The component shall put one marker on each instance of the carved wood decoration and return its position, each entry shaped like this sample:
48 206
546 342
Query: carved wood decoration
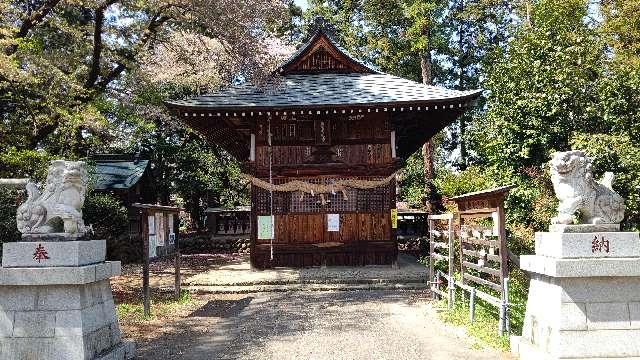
323 56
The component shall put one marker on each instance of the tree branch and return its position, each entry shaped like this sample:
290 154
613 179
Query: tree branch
32 19
94 71
152 28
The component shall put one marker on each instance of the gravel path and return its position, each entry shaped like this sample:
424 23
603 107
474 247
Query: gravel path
315 325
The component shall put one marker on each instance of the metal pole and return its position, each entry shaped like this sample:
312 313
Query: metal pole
145 264
472 305
437 296
431 274
450 282
501 320
506 306
178 258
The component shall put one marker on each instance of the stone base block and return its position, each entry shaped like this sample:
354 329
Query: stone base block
582 267
584 228
53 237
59 316
51 254
59 275
581 318
584 246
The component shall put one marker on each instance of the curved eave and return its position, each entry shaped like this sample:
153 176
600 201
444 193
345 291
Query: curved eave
409 105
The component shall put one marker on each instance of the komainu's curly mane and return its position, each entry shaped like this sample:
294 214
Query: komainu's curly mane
577 191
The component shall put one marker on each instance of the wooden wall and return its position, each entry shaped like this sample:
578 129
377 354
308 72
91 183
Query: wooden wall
312 228
339 147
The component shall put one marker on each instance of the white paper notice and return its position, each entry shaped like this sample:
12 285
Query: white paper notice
333 222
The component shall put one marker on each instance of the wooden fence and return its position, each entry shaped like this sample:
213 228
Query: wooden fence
483 253
436 249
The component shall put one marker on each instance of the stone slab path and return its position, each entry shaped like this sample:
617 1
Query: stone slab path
350 325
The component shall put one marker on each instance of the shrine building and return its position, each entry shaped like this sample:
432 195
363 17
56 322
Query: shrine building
321 143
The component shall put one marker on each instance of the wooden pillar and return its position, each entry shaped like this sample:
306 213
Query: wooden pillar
254 230
252 150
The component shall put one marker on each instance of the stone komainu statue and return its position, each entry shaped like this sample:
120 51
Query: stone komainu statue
576 189
59 207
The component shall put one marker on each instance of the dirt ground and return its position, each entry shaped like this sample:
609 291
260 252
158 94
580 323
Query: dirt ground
290 325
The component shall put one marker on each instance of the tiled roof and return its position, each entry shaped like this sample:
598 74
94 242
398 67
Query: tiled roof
315 90
118 174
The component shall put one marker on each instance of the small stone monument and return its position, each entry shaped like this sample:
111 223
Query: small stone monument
584 295
55 295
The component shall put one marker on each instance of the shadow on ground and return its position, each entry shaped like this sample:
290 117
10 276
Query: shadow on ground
319 325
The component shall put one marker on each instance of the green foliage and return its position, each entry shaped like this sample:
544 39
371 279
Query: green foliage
9 200
24 163
110 222
485 326
450 183
412 183
542 89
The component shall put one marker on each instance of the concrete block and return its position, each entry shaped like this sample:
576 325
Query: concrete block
598 344
6 324
573 316
18 298
129 349
576 245
90 294
27 348
60 297
103 271
600 289
608 316
116 268
69 323
68 347
117 353
93 318
105 290
634 314
39 324
97 342
594 267
49 275
109 309
62 253
116 334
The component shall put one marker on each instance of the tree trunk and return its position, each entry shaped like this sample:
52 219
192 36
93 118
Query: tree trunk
461 84
427 148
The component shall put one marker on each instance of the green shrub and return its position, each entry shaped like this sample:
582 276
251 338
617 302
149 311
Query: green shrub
9 199
110 222
449 183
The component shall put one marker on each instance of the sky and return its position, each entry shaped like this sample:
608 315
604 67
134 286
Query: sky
302 3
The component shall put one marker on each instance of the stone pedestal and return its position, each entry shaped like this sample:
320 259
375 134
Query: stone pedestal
56 303
584 297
